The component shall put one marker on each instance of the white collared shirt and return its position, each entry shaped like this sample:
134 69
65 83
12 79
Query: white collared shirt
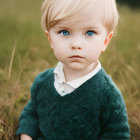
63 87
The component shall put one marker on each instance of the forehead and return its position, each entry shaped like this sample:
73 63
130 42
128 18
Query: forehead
87 16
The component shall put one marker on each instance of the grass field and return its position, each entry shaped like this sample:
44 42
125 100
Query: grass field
24 52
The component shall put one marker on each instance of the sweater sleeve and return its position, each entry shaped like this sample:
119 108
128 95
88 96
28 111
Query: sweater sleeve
28 121
114 117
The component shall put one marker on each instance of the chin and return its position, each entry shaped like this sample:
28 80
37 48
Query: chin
78 67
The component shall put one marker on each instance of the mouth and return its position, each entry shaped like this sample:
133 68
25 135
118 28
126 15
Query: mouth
76 56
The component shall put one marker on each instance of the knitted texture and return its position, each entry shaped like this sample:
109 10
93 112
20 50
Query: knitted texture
94 111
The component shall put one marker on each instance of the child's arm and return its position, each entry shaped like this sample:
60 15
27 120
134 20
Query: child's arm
114 119
28 122
25 137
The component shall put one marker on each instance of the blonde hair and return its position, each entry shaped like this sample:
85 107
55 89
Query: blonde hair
54 11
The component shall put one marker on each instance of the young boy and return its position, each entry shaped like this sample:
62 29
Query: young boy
77 100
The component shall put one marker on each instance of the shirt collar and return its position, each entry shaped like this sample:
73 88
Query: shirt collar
58 71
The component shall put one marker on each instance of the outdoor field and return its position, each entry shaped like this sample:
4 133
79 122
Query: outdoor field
25 52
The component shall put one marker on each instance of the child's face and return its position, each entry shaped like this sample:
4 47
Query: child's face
78 41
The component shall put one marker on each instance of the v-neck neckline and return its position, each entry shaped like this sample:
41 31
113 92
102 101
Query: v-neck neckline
76 92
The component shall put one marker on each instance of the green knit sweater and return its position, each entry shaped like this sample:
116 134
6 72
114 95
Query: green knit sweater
94 111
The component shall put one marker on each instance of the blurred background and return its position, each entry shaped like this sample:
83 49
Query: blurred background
25 52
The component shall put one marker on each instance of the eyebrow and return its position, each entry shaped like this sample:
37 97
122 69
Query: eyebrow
91 27
62 27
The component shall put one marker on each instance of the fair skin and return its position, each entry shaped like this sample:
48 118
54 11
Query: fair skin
78 44
25 137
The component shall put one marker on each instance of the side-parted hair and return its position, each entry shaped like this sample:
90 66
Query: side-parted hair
54 11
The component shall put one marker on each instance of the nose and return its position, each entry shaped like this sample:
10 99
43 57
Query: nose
76 44
76 47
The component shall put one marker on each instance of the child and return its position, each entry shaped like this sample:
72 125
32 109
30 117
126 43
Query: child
77 100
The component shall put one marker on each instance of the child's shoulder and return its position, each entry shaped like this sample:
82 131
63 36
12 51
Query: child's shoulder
107 83
110 92
43 76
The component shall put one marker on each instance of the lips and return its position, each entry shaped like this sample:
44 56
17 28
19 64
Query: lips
76 56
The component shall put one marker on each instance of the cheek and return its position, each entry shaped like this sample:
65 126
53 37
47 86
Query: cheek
94 51
59 51
58 54
58 44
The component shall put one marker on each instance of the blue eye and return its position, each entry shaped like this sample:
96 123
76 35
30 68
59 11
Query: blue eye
90 33
64 32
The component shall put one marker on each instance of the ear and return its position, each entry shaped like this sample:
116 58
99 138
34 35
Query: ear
107 41
48 36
